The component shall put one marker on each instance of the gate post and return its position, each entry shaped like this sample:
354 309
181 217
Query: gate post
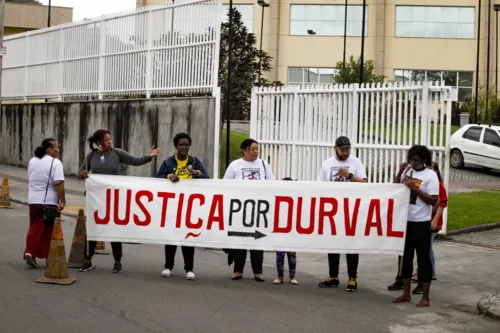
425 113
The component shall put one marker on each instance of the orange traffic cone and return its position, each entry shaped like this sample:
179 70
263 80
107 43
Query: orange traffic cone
56 271
100 248
77 255
5 193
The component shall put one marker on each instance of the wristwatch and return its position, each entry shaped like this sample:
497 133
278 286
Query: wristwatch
350 176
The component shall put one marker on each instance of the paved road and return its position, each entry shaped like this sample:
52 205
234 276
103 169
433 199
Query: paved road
139 300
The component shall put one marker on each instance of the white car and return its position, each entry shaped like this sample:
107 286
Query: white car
477 145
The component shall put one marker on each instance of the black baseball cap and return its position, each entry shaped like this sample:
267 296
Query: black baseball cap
343 142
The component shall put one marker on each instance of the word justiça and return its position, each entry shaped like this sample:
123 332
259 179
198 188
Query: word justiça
286 215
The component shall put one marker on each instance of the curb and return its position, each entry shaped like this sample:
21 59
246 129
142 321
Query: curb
485 306
23 202
482 227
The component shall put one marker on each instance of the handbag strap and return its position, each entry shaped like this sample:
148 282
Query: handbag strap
265 171
48 180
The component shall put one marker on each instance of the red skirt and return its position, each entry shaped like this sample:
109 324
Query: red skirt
39 235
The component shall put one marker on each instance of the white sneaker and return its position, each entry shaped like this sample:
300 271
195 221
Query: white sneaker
166 273
190 276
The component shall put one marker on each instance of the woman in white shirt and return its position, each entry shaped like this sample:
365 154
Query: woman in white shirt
249 167
46 188
424 186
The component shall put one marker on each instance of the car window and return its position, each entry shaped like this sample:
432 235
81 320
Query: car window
473 133
491 138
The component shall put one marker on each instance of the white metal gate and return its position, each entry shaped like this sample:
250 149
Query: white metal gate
297 126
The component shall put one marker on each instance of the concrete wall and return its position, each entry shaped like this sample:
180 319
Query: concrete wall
135 125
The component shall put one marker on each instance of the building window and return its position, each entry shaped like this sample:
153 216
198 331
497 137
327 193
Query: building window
246 12
326 20
435 22
300 75
462 81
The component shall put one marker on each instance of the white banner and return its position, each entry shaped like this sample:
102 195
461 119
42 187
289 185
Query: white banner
300 216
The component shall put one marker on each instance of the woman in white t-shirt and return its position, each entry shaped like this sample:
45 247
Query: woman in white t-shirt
424 186
46 187
249 167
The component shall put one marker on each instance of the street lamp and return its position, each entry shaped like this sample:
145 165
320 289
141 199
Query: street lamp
48 17
361 72
263 4
496 8
362 69
477 59
345 32
229 78
488 59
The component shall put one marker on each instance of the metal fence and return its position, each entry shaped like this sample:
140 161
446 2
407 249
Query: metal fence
297 126
171 48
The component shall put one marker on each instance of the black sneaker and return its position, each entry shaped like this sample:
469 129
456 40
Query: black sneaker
87 266
397 285
117 268
329 283
352 285
419 289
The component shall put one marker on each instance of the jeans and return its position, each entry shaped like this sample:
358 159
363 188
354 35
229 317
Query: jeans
352 264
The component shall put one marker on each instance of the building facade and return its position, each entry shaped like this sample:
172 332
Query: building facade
407 39
20 18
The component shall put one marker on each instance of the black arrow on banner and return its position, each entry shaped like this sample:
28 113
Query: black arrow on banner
256 234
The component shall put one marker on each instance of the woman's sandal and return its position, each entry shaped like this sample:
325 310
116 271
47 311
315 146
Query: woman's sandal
236 277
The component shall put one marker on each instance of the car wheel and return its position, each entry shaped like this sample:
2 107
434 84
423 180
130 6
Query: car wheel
457 159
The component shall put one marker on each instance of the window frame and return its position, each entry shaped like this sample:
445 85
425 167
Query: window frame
457 86
311 71
442 22
225 8
479 140
495 133
334 21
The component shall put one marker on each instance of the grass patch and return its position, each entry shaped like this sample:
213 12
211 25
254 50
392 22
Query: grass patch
234 149
473 208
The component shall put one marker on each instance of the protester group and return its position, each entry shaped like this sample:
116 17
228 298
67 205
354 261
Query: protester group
419 173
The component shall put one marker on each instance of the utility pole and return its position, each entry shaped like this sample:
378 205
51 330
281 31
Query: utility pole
2 6
48 16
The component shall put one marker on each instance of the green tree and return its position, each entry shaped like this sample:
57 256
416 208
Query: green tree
485 115
246 69
31 2
352 70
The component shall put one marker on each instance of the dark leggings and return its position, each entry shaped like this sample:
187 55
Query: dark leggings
418 238
116 247
352 264
187 253
256 258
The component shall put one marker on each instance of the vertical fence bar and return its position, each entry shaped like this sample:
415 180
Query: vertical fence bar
149 44
101 51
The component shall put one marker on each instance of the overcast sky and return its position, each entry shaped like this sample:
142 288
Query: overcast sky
92 8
